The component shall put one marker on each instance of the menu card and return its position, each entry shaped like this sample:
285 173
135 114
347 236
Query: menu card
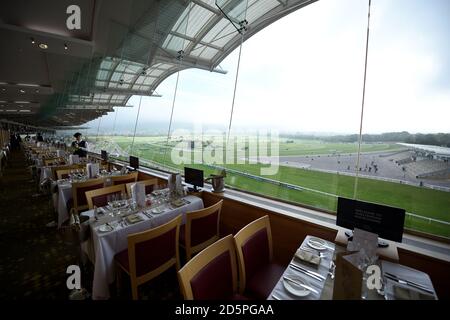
138 194
92 169
74 159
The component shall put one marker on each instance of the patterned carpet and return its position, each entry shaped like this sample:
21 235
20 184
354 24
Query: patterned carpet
34 258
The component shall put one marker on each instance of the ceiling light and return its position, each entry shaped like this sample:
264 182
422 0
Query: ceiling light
3 89
65 47
43 46
32 40
37 90
11 110
25 110
21 101
22 91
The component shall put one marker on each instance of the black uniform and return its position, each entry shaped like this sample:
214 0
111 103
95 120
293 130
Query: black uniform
80 152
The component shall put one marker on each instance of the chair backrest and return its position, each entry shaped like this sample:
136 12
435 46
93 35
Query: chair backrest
132 177
55 170
99 197
254 248
202 228
152 252
64 171
211 274
53 161
79 190
149 185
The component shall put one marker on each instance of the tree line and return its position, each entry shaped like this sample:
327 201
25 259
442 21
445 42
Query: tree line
436 139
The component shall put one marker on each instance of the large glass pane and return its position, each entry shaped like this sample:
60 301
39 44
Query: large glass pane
407 107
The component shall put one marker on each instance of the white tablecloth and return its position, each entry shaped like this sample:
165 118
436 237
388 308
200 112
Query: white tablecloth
46 173
106 245
64 195
279 291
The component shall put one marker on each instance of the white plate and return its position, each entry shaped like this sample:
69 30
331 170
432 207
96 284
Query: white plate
294 288
317 244
105 228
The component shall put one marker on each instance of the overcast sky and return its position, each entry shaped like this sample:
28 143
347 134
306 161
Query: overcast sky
304 73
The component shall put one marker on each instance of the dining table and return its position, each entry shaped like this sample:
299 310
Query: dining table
64 194
109 231
307 281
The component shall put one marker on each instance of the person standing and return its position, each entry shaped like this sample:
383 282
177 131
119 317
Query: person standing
79 145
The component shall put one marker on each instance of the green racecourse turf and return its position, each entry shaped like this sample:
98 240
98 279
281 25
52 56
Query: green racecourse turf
421 201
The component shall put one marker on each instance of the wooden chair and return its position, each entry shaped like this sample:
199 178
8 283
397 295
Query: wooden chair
201 229
60 167
79 190
64 173
99 197
51 162
149 185
149 254
212 274
129 178
257 273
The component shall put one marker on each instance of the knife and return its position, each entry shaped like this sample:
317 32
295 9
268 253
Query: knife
293 266
407 282
301 284
312 272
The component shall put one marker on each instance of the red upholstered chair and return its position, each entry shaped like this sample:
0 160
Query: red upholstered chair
258 274
211 274
201 229
99 197
150 253
79 190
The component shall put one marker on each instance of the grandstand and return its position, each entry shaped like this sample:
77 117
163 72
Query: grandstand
402 157
427 161
429 168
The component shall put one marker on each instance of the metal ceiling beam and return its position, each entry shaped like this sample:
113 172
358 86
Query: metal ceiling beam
180 35
91 107
126 92
188 62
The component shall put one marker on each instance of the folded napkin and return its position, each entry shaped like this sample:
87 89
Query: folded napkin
308 256
402 293
178 203
133 218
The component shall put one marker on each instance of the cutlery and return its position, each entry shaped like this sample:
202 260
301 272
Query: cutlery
312 272
411 284
305 272
301 285
148 214
276 297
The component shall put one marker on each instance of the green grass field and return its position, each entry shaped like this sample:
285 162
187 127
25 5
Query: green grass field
420 201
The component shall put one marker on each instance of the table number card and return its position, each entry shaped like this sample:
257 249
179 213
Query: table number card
348 277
